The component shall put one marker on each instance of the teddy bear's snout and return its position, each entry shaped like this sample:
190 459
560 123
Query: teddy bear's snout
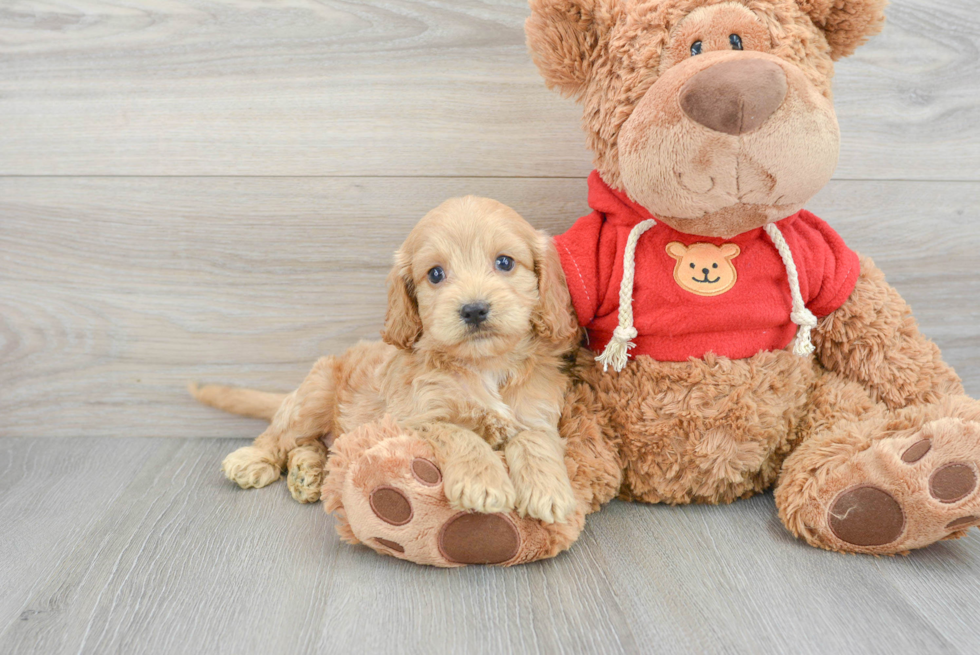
735 97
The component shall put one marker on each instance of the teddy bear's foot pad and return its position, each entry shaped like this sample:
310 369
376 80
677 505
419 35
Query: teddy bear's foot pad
391 505
866 516
388 493
391 545
953 482
932 495
394 501
471 538
466 538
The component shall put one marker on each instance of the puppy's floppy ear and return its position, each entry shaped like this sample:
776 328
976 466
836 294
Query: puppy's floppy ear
553 318
565 36
847 24
403 327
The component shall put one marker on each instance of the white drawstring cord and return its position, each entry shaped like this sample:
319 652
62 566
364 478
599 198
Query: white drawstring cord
802 316
617 350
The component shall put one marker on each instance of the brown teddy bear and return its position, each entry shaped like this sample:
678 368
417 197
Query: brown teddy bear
741 344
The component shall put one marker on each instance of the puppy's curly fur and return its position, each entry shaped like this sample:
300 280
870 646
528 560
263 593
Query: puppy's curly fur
468 386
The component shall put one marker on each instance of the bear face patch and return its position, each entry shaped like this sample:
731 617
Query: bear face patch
704 268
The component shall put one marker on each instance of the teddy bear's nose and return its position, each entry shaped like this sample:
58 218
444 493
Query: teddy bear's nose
735 97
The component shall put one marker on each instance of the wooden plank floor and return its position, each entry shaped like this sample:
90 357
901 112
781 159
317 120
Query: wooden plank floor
140 546
195 189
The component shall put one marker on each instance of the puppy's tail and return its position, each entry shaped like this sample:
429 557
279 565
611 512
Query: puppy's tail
245 402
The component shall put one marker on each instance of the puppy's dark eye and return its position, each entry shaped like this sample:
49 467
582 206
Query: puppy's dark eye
692 264
736 41
504 263
436 275
696 48
714 266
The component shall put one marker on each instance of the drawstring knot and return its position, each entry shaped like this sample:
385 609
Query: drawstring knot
801 316
617 350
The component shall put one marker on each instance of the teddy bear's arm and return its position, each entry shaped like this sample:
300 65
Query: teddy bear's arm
874 339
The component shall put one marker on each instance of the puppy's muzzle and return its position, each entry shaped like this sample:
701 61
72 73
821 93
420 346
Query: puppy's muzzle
474 313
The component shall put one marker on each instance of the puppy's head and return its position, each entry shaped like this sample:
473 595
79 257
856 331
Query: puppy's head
473 280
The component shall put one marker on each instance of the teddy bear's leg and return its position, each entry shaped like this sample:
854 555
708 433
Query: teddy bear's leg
905 475
386 490
886 483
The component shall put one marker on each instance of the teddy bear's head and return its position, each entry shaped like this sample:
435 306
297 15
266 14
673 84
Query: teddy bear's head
715 115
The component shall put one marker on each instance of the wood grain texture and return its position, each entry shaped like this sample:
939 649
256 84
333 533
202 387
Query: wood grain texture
158 553
399 87
114 292
47 508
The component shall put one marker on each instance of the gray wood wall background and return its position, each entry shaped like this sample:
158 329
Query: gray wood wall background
212 190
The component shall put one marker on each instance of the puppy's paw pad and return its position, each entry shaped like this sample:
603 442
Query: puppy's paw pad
391 505
471 538
953 482
866 516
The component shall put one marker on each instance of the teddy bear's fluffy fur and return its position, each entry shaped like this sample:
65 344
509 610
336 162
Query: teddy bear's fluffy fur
715 429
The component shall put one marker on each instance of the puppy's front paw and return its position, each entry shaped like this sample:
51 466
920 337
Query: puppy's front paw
251 467
480 485
305 474
549 499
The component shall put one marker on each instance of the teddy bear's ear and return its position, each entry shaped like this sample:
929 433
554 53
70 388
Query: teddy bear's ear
564 37
846 23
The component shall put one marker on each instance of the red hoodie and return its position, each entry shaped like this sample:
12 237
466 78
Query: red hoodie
691 294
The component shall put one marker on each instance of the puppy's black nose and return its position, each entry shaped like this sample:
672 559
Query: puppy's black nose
705 271
474 313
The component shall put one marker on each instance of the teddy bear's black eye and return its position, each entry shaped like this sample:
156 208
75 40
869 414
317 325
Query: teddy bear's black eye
504 263
696 48
436 275
692 264
714 266
736 41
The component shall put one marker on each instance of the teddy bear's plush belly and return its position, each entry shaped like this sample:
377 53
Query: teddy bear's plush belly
710 430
